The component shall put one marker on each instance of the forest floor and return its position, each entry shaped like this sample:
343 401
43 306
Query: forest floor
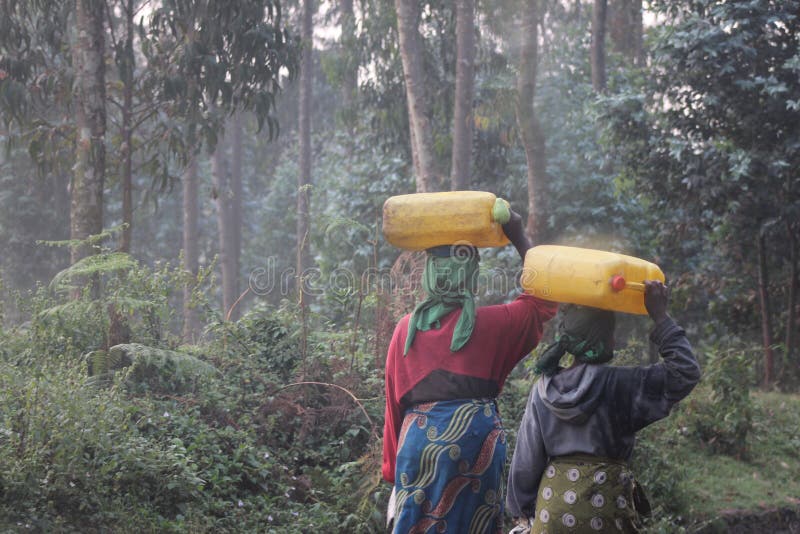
758 492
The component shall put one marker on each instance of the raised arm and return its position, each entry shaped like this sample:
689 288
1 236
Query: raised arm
653 390
516 234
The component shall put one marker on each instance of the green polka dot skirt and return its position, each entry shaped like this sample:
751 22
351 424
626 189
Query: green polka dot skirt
582 493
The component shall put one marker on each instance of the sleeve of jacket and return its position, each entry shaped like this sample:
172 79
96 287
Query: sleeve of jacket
653 390
527 464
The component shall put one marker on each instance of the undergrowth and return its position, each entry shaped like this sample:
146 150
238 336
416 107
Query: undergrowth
108 422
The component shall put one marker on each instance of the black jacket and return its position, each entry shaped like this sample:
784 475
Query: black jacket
597 410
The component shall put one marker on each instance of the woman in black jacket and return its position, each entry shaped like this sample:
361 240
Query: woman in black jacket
569 471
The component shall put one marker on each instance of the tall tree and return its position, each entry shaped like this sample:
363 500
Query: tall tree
126 61
191 264
88 53
530 129
763 298
463 122
421 133
237 220
598 51
791 311
220 177
624 21
347 22
304 134
226 53
226 177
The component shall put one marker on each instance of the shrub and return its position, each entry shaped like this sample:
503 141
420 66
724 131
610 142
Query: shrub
720 412
70 457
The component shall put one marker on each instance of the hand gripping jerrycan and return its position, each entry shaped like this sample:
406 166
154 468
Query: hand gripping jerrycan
424 220
588 277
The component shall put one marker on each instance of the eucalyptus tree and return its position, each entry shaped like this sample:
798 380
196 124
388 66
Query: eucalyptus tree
304 134
348 28
88 56
417 95
625 28
210 59
125 59
463 116
530 128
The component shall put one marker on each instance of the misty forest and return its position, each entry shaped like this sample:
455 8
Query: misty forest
197 297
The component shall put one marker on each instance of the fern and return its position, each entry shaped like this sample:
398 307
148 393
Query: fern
151 360
92 240
77 308
102 362
93 265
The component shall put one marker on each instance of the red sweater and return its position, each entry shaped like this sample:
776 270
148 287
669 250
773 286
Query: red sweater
502 336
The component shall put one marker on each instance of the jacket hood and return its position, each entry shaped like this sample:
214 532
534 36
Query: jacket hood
570 394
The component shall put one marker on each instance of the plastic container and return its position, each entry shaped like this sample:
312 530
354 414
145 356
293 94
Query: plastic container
424 220
588 277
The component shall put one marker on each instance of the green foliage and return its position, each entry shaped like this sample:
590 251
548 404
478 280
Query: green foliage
721 413
211 58
710 485
154 369
91 266
247 432
72 458
709 141
210 438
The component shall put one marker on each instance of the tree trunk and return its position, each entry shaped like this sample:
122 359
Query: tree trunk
625 29
86 202
791 317
191 321
465 83
304 131
416 97
222 196
126 74
237 196
348 41
599 46
530 130
766 321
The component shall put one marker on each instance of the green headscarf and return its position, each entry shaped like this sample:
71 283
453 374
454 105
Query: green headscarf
450 282
586 333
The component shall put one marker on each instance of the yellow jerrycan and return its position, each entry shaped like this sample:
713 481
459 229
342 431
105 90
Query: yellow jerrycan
588 277
424 220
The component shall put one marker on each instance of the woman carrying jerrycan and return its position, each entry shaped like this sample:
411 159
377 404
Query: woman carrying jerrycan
444 445
569 471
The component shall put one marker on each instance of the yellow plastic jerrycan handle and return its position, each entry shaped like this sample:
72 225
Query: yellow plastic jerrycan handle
618 283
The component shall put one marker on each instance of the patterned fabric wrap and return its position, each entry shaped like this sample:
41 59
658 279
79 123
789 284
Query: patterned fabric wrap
581 493
450 460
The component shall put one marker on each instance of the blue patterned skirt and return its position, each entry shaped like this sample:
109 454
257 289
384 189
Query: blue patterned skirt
450 462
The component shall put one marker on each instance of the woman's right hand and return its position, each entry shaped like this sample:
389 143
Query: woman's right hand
656 299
